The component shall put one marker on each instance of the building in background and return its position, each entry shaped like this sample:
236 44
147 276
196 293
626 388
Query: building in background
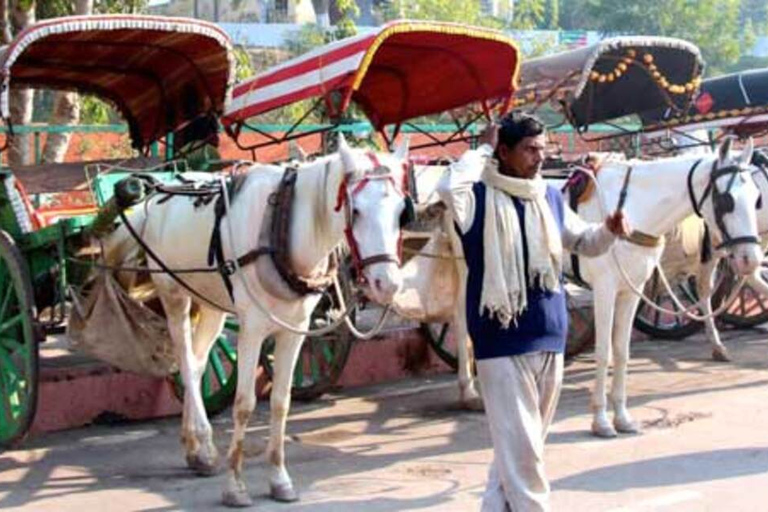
238 11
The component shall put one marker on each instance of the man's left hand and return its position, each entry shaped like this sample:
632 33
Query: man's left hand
617 224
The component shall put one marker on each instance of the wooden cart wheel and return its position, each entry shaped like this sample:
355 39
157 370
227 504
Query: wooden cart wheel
18 347
581 334
322 358
219 381
664 326
750 308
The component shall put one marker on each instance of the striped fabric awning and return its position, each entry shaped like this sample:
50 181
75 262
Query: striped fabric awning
161 73
403 70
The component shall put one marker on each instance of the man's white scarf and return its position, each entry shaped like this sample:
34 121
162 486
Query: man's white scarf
504 284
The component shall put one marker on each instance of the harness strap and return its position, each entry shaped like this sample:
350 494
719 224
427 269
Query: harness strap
149 252
691 193
573 202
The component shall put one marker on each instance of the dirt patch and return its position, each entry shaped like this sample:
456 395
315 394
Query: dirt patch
668 421
428 471
325 437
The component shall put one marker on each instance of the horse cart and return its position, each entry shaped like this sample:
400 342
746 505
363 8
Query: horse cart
398 74
170 79
729 105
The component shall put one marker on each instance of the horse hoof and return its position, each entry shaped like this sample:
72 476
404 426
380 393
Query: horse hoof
473 404
236 499
284 493
626 426
720 355
202 467
603 431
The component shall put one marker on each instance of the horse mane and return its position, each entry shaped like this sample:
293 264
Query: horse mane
318 176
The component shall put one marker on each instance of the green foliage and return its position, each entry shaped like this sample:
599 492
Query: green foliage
243 64
308 37
461 11
118 6
552 20
54 8
95 111
713 25
529 14
345 26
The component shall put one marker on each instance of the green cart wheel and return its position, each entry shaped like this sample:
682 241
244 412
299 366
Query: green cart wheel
18 347
441 340
322 358
219 381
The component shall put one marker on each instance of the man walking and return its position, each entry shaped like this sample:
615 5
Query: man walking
514 228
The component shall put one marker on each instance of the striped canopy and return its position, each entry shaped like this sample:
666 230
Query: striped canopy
161 73
403 70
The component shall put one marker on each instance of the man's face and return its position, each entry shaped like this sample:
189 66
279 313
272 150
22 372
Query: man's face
525 159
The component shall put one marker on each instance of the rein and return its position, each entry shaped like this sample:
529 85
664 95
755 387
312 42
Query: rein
682 311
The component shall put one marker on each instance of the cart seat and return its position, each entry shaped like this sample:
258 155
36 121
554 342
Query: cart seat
62 190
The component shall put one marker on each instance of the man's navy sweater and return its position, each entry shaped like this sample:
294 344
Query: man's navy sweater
543 325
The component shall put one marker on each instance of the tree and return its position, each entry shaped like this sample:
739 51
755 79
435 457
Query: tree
713 25
22 14
464 11
66 109
15 15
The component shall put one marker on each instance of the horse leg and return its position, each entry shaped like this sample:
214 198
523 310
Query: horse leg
626 304
208 327
705 281
287 349
249 341
604 300
469 398
196 433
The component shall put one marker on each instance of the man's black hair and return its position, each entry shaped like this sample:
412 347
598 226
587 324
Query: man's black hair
516 126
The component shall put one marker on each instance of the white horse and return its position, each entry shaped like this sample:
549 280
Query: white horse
356 193
661 194
658 199
705 273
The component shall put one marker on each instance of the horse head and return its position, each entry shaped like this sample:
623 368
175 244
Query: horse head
732 206
377 205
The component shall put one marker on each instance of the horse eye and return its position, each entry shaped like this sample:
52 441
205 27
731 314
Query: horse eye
355 213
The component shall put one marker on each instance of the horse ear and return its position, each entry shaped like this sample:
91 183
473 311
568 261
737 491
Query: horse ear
401 151
724 152
747 152
347 158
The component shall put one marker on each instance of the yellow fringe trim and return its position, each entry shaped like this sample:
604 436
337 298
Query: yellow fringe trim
443 28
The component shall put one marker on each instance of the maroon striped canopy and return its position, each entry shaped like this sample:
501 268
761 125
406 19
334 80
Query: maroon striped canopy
161 73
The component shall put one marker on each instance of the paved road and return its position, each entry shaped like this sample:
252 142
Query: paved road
405 446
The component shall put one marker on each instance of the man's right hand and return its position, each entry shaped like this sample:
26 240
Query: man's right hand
489 136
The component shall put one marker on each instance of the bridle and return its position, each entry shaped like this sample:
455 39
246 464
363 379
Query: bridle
349 188
722 202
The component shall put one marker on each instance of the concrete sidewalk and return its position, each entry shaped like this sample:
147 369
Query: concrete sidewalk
406 446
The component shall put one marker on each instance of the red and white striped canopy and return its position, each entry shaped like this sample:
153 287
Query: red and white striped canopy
403 70
161 73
